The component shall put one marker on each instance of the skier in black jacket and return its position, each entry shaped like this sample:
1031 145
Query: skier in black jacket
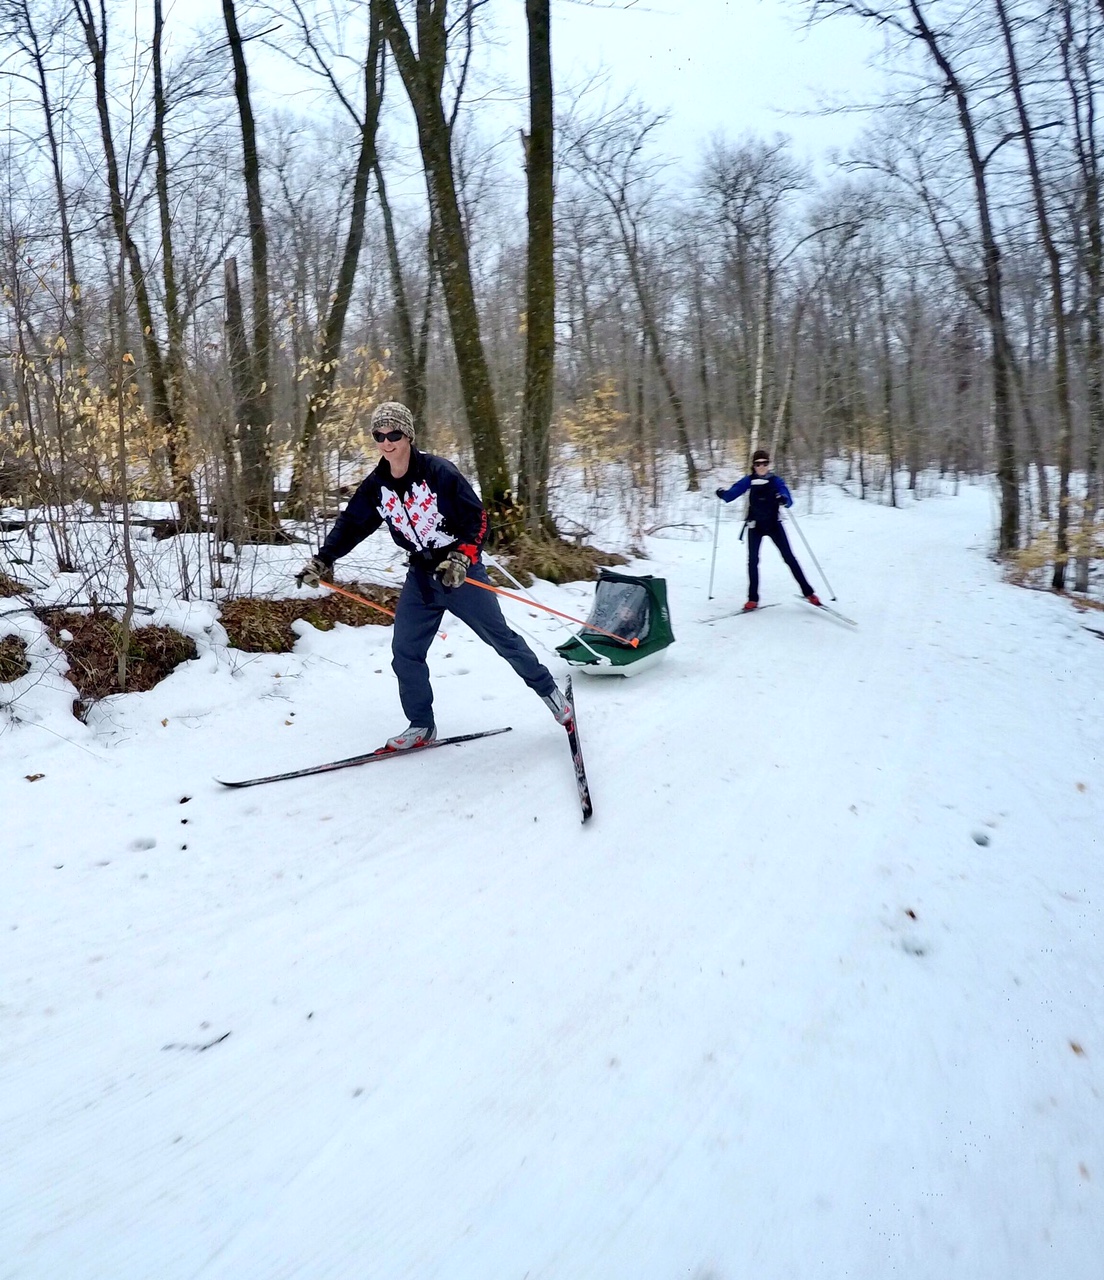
433 513
766 494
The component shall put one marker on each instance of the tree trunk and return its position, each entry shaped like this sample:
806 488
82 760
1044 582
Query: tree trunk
413 351
183 489
37 55
651 332
1076 60
1058 308
161 407
423 77
255 391
1003 427
540 281
887 391
325 370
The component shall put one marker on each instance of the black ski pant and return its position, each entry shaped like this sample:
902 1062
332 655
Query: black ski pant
774 530
422 604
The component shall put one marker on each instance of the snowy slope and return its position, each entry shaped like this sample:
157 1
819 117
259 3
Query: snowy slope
817 992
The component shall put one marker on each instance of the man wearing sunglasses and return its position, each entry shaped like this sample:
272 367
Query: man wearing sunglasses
767 493
434 515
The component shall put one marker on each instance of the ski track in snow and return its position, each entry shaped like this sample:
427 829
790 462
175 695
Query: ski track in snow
774 1012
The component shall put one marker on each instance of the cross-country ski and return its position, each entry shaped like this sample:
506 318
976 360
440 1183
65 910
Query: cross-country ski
832 611
581 782
738 613
369 757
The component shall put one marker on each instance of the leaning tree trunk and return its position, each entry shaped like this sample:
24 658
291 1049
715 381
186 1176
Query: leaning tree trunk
423 77
1003 426
327 359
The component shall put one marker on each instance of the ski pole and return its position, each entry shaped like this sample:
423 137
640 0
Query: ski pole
811 552
713 562
352 595
498 591
600 658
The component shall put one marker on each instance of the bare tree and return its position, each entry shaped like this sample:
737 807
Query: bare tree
910 19
253 367
1080 49
166 416
609 156
1057 298
540 282
423 74
366 120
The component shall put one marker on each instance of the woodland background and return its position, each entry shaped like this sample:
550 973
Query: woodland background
206 291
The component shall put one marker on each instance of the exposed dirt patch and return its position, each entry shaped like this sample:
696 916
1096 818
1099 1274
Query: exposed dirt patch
93 653
257 625
9 587
13 659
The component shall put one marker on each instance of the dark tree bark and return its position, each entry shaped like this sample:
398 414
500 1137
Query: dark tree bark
887 386
1078 69
187 503
702 354
254 386
1057 301
423 75
540 280
1009 535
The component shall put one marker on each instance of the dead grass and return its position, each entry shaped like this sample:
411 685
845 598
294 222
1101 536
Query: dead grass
556 561
257 625
93 653
13 659
9 587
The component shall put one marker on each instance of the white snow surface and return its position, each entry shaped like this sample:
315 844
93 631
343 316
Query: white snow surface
819 991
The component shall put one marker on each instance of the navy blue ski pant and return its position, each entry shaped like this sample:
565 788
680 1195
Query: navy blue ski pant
422 604
778 534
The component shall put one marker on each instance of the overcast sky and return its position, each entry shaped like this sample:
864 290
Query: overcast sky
735 66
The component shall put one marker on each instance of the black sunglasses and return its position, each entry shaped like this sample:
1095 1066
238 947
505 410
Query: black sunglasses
761 462
394 436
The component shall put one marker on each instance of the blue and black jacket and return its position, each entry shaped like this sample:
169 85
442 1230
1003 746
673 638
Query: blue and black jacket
765 495
429 512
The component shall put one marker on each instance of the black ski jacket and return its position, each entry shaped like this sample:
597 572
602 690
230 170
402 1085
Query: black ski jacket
431 510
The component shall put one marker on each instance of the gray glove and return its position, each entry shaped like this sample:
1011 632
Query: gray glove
310 575
453 569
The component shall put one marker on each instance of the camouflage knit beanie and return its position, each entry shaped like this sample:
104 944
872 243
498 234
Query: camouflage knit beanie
393 416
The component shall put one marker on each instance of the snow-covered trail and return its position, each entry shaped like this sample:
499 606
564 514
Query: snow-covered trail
775 1012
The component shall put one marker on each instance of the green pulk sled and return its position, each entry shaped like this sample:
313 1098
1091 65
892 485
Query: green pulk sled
632 607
